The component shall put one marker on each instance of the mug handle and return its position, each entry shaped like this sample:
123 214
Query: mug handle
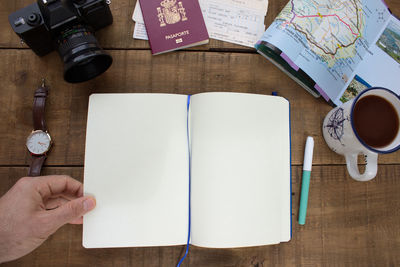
371 168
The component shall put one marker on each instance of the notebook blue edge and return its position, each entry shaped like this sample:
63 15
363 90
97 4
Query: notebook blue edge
290 162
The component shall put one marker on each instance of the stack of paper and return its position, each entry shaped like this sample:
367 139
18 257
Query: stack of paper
238 22
140 29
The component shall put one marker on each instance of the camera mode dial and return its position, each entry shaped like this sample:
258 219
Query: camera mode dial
34 19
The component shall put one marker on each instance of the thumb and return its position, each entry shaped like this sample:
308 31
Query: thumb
71 210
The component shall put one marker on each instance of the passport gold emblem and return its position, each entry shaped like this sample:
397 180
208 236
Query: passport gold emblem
170 12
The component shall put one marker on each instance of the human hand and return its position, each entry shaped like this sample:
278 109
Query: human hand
34 208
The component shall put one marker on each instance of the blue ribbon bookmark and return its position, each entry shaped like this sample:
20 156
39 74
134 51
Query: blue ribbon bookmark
190 164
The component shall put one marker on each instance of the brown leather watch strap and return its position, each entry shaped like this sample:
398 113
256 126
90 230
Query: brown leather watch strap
39 123
39 104
36 165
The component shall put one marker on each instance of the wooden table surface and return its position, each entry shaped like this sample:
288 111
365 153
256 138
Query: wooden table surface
349 223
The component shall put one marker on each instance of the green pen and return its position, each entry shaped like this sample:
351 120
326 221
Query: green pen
305 184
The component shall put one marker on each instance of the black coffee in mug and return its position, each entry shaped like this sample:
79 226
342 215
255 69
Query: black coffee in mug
366 125
375 121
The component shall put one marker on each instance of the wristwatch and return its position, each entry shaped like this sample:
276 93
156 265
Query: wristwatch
39 141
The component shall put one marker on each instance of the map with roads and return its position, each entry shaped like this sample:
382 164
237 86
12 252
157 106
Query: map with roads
328 38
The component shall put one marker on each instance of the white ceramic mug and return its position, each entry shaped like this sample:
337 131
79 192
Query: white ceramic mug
341 136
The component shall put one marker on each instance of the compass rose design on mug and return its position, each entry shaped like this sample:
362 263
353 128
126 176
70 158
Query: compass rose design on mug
335 125
367 125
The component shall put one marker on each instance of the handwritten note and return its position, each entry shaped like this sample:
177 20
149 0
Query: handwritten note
140 31
233 23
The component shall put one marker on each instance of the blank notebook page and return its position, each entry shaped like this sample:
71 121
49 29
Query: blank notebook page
240 170
136 165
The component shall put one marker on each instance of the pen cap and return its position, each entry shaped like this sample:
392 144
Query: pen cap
308 154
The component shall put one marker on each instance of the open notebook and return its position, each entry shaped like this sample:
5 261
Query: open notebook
137 167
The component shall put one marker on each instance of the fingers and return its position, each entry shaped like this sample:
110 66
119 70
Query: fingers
77 221
53 203
48 186
71 211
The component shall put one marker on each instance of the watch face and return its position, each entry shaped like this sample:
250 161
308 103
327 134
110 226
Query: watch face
38 142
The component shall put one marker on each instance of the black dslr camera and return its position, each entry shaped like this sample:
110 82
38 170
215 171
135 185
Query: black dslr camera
68 26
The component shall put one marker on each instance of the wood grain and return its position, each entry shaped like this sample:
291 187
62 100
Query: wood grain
119 35
116 36
138 71
348 224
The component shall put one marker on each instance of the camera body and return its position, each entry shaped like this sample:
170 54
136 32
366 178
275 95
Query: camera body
68 26
39 25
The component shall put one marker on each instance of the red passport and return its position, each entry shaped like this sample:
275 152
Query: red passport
173 24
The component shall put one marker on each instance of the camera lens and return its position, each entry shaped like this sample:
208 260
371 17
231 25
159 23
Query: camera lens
83 58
